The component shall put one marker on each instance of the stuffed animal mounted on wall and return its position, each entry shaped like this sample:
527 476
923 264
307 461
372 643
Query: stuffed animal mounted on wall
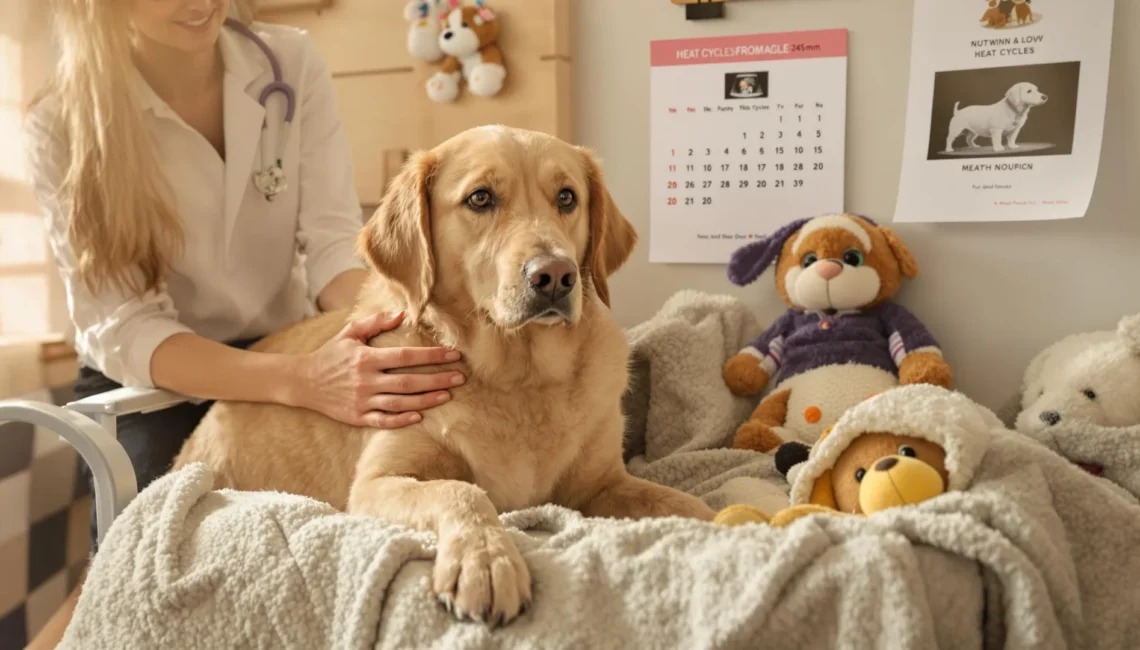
469 39
842 339
423 29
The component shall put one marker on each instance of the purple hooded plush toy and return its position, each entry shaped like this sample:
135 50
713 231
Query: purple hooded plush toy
842 339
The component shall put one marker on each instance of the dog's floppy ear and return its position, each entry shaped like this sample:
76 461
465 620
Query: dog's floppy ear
612 236
907 264
396 241
1013 96
752 259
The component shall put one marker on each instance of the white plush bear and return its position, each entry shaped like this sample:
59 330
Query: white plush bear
423 30
1081 397
1092 377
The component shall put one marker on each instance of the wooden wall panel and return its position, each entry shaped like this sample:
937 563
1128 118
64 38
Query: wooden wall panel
378 118
381 88
355 35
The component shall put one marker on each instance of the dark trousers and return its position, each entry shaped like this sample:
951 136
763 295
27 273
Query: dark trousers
152 440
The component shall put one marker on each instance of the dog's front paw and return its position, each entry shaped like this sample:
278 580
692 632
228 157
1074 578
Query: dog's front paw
1014 146
480 575
998 148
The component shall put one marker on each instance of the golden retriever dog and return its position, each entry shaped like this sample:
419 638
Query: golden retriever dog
496 243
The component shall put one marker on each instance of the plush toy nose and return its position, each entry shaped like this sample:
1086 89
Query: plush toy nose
1050 417
447 36
886 463
828 269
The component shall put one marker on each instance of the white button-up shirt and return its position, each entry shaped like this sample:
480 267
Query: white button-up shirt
240 275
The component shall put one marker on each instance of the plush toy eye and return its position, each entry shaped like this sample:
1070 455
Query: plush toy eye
566 199
852 257
480 200
1090 393
908 451
808 260
859 474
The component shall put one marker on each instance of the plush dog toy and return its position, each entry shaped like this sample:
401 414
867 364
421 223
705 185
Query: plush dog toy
469 39
901 447
1080 397
423 30
842 339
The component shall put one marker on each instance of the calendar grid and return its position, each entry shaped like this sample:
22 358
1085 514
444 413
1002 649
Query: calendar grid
739 148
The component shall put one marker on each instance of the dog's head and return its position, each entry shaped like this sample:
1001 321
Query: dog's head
1024 95
466 30
834 261
509 226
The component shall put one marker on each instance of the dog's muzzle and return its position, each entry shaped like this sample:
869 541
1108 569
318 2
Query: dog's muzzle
550 282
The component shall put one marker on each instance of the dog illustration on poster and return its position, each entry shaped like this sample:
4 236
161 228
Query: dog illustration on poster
1007 111
1005 117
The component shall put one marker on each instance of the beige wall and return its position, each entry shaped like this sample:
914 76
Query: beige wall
993 294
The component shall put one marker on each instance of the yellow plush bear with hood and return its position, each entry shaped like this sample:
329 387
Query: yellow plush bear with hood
901 447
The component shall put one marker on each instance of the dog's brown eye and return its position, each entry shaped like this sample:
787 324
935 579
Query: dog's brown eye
859 474
480 200
1090 393
566 199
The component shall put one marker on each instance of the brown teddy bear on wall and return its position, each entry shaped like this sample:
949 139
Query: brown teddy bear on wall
469 40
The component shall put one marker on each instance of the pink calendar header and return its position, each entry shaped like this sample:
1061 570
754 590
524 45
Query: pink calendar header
812 44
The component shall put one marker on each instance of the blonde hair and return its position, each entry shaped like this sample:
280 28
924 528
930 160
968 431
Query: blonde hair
121 224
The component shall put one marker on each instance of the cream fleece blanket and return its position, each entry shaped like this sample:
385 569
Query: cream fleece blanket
1032 552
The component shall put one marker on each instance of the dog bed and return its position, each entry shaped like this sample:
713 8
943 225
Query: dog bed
1033 553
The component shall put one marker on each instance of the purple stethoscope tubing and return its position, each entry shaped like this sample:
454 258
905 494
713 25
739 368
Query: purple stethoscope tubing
277 85
271 179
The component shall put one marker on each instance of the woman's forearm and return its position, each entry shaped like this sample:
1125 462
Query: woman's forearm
199 367
341 292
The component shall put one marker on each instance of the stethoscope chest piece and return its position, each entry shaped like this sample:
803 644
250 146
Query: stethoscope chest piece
270 181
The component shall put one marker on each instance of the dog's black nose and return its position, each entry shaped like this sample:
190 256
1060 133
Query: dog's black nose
886 463
1050 417
554 277
447 36
1044 96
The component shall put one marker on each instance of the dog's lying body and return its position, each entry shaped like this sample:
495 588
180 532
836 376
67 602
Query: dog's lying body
538 419
1002 118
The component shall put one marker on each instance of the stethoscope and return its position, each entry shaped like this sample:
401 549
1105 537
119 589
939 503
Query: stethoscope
270 180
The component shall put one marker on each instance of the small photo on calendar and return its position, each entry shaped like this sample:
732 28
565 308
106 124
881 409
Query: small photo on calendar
1021 110
745 85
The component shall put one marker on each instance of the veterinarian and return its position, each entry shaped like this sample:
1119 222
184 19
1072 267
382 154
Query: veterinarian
177 197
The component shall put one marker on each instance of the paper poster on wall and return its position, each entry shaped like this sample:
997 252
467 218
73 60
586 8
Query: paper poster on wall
746 133
1006 109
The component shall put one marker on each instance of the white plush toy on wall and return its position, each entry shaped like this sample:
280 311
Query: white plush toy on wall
423 30
469 40
1081 397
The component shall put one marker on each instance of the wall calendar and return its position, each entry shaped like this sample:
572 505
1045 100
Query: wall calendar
746 133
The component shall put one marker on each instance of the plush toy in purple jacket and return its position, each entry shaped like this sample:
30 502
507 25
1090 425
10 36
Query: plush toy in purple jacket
842 340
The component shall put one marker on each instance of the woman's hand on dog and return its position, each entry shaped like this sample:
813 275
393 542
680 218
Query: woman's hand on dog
347 380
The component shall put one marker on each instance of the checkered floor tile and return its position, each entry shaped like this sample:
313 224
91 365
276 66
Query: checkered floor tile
44 525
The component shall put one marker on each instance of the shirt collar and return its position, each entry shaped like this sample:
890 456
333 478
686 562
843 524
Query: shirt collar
239 59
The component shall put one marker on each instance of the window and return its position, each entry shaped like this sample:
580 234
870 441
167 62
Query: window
32 303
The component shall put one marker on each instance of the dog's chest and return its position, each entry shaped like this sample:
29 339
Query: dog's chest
517 447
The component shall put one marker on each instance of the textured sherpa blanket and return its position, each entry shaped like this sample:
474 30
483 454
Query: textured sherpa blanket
1032 552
